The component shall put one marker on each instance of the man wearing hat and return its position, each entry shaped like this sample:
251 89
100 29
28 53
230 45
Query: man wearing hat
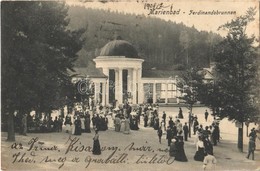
251 148
164 117
252 134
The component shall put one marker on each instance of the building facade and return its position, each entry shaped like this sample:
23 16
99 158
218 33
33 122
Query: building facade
117 76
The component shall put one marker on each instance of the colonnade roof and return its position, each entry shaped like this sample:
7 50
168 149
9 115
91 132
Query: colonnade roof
155 73
89 71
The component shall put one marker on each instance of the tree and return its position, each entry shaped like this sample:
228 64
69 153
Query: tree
80 93
192 88
236 73
37 52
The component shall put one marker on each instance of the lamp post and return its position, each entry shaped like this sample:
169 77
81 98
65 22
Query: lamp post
190 113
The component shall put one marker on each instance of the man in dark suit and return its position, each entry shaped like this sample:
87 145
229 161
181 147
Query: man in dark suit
186 131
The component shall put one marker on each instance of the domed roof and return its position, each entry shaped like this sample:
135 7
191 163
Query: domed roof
119 48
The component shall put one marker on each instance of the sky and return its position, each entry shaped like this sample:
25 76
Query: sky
200 22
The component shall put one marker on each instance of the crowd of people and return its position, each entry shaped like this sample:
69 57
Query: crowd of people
126 118
122 119
177 133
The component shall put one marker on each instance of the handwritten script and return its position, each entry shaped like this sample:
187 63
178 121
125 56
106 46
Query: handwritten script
76 152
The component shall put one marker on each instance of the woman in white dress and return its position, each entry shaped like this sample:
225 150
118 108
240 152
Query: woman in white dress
122 127
209 162
199 155
83 128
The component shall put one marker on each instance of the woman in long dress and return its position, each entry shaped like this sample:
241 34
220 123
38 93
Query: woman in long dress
122 126
180 153
180 115
117 123
68 123
173 148
156 123
127 126
87 124
200 154
96 145
77 124
82 119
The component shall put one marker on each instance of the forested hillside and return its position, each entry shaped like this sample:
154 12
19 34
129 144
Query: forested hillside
163 44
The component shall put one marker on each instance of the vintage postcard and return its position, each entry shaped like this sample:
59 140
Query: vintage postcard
130 85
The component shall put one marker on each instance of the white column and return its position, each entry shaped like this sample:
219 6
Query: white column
120 84
116 84
140 87
141 93
134 85
106 72
97 91
129 80
103 93
166 93
154 92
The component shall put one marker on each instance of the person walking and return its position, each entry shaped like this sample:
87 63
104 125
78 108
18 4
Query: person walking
180 153
186 131
171 123
173 147
206 115
127 126
209 162
83 126
164 117
96 145
199 155
253 134
156 123
208 146
24 124
215 135
68 123
78 128
87 124
60 122
122 124
251 148
117 123
180 115
159 133
163 127
195 124
55 124
169 135
145 120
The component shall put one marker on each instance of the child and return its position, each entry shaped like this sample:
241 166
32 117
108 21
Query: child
209 162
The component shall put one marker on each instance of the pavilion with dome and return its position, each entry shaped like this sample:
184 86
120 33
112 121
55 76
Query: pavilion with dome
118 76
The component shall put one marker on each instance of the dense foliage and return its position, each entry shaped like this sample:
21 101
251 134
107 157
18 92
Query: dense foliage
163 44
236 84
236 70
37 52
192 87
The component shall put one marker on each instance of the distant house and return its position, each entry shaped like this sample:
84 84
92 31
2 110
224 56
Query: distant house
208 73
